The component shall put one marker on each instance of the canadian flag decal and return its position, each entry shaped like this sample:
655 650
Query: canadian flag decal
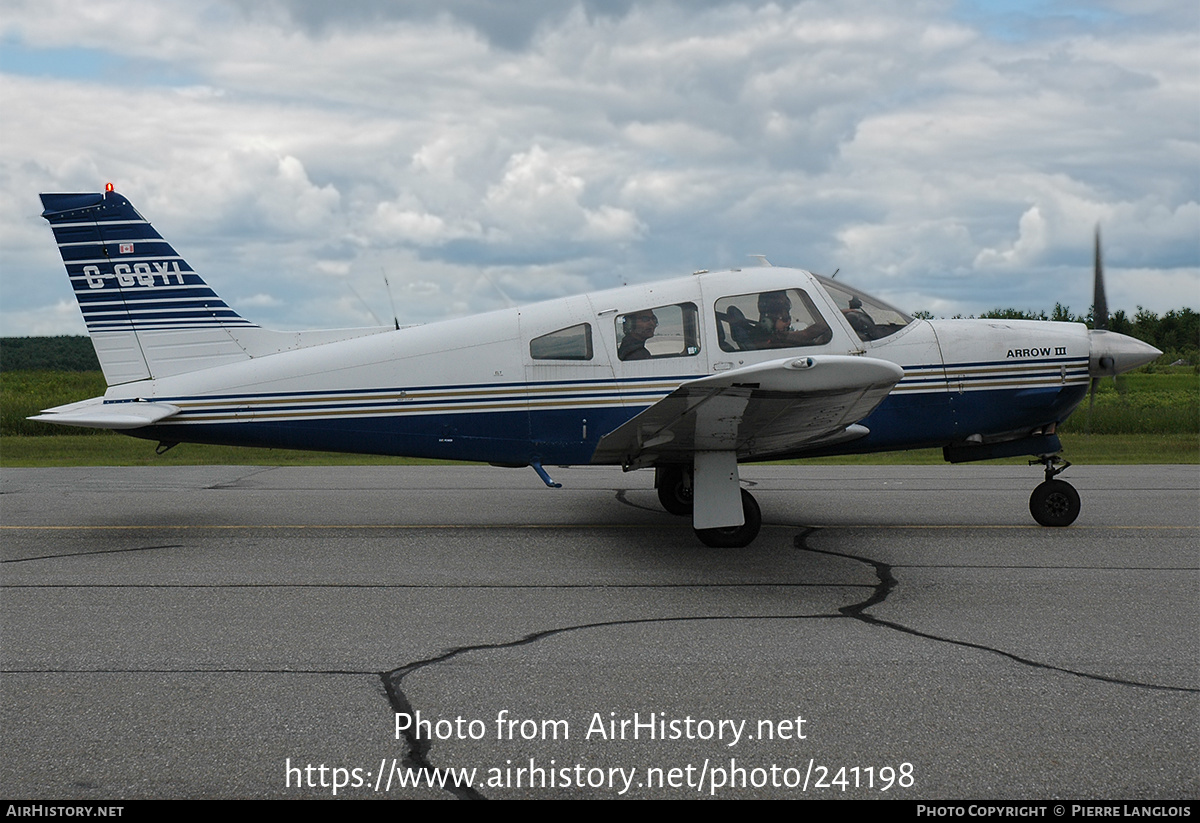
126 248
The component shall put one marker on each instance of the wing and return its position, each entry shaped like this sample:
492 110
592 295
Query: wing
97 414
759 410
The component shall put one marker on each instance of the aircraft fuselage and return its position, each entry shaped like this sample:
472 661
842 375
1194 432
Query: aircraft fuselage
470 389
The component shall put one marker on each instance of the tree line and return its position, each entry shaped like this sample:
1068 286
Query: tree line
68 353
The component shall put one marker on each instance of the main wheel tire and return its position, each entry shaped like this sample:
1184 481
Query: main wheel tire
735 537
1054 503
674 494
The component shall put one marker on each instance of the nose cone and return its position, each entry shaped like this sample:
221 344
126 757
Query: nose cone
1114 353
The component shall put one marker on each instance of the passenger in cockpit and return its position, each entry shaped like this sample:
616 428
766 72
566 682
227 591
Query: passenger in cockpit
638 327
859 320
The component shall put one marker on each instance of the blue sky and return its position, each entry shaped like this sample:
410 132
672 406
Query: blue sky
950 156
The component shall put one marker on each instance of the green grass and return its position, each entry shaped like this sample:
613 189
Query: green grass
24 393
1141 403
1084 449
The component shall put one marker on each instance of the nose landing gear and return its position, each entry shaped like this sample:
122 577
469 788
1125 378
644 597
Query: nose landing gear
1054 502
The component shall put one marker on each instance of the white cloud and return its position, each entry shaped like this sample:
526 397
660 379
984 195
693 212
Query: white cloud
287 150
1024 251
62 317
258 301
539 199
394 224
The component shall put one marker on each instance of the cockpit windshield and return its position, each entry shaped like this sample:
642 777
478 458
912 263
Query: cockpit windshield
870 317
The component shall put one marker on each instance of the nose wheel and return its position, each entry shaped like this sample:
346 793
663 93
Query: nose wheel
1054 502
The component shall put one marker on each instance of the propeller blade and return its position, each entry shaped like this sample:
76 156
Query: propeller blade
1111 353
1099 301
1087 423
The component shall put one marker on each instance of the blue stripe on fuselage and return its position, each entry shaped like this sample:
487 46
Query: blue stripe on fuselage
557 436
562 436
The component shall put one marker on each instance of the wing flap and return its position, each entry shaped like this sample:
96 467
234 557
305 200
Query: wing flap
762 409
97 414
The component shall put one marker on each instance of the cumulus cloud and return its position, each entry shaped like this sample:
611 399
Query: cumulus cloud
393 223
539 198
945 154
1030 243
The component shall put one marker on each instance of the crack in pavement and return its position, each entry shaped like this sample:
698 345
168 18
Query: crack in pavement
236 483
88 554
418 747
887 582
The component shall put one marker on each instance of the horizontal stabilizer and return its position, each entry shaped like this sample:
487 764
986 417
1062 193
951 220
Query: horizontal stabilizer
756 411
97 414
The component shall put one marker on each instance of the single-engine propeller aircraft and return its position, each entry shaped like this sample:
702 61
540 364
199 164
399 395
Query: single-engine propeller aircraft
690 376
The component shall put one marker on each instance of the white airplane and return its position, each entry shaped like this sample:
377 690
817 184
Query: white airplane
690 376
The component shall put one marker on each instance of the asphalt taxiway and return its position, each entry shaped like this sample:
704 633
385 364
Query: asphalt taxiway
254 631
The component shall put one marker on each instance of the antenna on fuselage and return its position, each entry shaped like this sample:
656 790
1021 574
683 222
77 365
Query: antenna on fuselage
366 305
835 271
508 301
762 260
388 286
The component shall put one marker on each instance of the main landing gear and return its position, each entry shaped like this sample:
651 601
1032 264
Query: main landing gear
735 537
1054 502
674 485
676 494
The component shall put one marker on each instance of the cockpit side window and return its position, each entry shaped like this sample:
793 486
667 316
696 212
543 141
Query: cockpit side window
663 331
572 343
870 317
781 319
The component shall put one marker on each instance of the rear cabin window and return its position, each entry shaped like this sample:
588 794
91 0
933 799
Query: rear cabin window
770 320
571 343
662 331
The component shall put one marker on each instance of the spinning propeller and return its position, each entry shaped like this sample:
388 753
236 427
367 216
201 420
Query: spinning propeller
1111 353
1099 321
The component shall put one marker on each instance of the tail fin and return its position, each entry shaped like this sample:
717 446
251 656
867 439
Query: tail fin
148 312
